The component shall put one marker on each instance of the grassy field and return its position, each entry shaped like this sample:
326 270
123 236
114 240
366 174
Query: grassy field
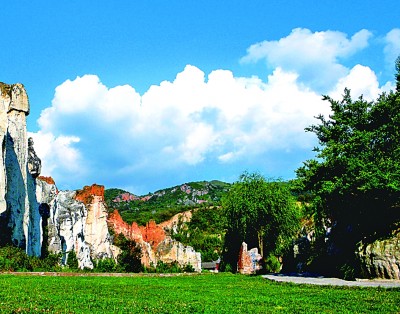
209 293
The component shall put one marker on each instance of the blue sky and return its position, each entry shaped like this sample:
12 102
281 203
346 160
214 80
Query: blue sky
144 95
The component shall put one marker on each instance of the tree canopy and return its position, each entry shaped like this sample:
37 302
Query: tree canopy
356 176
261 213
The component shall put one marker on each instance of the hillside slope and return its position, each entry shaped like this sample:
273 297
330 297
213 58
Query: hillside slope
164 204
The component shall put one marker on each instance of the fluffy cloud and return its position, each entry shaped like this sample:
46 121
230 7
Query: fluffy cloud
315 56
392 46
95 129
361 80
205 126
58 155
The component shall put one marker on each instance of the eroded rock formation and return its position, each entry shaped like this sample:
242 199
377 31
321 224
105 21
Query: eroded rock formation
19 216
96 228
155 242
381 259
34 162
249 260
76 221
37 217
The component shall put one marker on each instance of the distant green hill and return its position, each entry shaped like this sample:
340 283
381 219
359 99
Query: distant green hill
163 204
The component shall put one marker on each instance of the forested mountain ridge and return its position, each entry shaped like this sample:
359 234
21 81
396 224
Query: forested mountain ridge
163 204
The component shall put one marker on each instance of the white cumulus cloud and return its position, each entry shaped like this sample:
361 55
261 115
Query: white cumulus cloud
361 80
392 46
315 56
201 124
181 123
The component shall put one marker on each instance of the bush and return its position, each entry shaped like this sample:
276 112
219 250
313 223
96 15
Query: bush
106 265
188 268
169 268
72 260
272 264
15 259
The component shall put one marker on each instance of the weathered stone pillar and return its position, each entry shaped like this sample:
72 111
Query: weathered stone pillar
18 206
4 104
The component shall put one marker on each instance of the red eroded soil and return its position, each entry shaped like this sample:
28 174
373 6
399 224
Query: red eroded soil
48 180
86 194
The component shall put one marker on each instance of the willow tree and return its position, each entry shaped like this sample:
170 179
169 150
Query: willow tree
261 213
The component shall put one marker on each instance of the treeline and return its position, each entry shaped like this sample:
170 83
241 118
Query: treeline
350 192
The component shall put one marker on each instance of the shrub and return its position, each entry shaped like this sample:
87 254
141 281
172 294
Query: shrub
72 260
14 259
106 265
272 264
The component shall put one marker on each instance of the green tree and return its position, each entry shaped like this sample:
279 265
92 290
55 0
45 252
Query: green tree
129 260
261 213
204 232
356 176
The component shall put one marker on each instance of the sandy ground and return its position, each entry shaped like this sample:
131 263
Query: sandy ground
322 281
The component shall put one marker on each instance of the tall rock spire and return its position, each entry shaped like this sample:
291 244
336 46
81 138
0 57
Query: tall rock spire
18 206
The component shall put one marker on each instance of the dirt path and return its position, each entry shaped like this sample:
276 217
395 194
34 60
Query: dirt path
322 281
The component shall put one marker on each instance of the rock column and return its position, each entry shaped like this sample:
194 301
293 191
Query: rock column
19 217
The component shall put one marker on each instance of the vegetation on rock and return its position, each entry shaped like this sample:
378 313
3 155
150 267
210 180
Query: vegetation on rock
164 204
204 232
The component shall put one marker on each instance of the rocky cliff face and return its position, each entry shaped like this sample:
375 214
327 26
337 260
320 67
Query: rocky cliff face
34 215
19 217
381 259
96 228
76 221
156 245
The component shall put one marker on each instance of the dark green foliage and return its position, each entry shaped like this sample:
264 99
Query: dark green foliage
5 238
261 213
355 179
164 204
106 265
72 260
129 260
15 259
272 264
110 194
398 74
205 232
208 219
188 268
169 268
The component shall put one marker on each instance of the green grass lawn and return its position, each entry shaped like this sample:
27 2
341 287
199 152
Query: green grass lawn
208 293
